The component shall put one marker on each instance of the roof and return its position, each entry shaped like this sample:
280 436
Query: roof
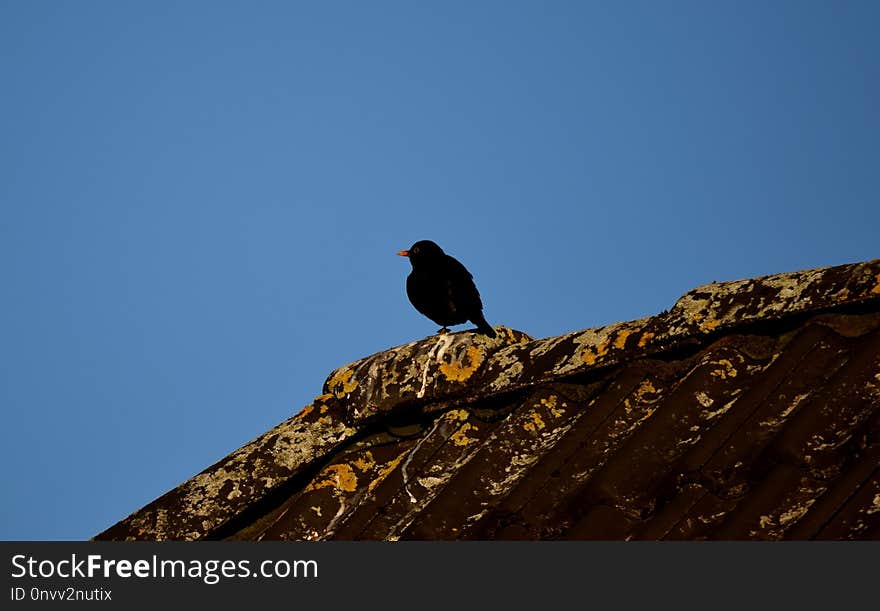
750 410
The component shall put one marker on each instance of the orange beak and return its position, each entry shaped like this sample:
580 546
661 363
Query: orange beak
404 253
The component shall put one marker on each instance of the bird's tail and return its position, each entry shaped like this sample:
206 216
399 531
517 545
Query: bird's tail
482 326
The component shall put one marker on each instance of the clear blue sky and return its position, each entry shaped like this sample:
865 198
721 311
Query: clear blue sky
202 201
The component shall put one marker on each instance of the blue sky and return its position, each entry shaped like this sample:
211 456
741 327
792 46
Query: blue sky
202 201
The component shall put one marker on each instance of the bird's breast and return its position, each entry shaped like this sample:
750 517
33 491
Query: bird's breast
433 296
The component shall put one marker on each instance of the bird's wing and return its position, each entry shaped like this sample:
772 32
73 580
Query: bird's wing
460 282
455 269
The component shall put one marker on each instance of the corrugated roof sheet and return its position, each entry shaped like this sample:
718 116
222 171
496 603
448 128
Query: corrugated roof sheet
750 410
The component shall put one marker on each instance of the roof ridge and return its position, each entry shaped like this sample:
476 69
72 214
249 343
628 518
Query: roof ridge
451 367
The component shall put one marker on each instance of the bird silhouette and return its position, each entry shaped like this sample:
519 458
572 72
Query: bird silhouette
443 289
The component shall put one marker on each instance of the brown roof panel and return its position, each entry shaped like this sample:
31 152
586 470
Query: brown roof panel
750 410
841 490
859 518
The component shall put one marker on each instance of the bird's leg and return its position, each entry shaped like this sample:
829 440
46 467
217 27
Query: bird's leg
444 330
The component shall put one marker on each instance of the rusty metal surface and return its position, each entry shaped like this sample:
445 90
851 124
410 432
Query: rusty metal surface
750 410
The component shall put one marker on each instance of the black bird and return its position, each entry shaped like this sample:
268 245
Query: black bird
442 289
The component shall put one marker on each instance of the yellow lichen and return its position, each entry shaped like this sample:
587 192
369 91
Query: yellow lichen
458 371
727 369
456 414
460 437
550 404
385 471
709 324
341 383
704 399
305 411
340 477
365 462
645 338
646 387
591 355
512 337
620 340
876 289
535 425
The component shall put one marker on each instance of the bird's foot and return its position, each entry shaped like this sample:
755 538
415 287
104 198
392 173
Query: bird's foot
443 331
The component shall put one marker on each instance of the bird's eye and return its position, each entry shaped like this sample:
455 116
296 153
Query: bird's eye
415 251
